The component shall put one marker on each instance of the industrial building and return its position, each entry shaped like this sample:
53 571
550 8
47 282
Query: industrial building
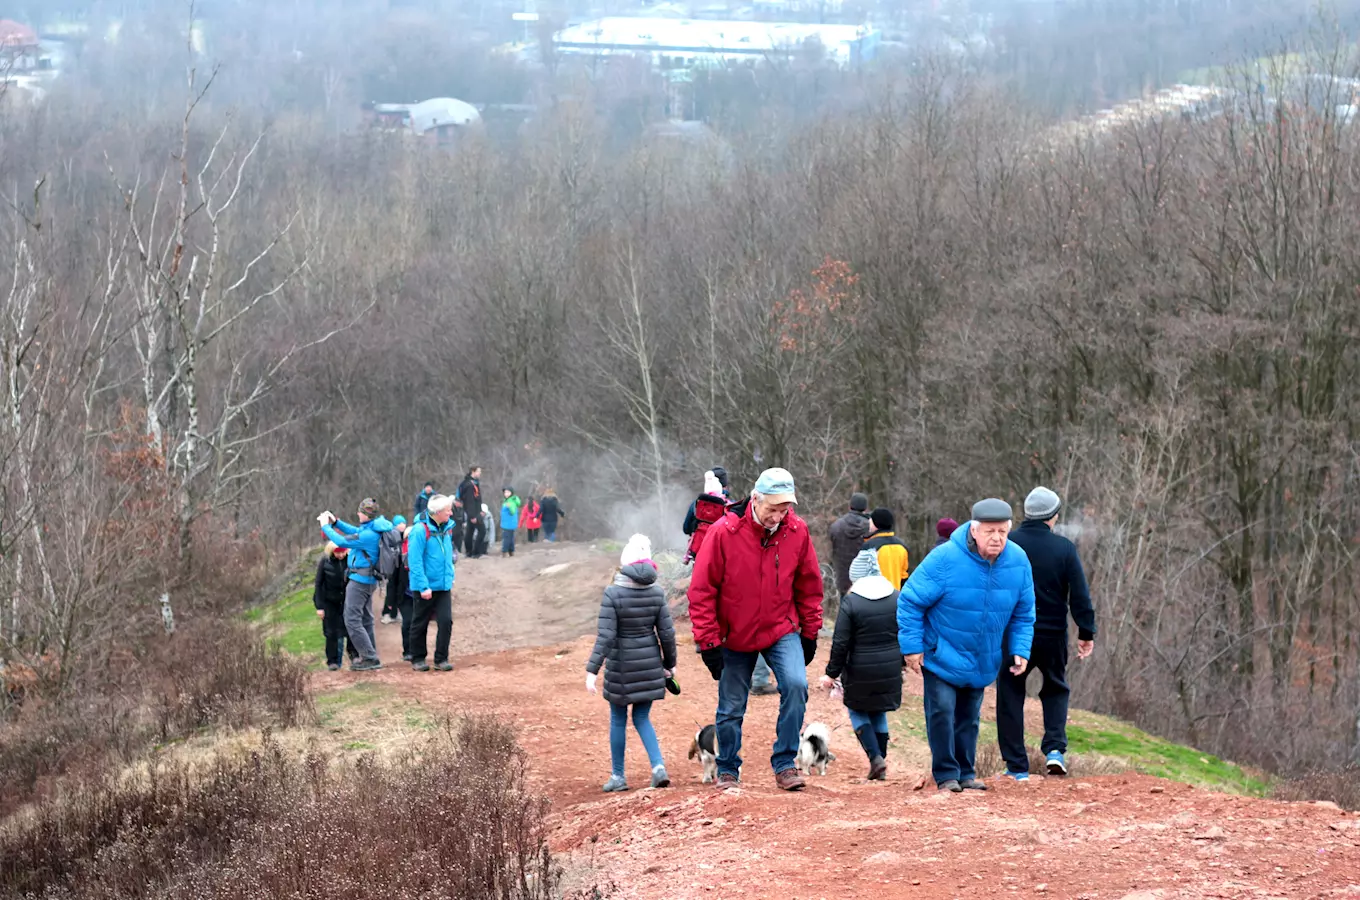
684 43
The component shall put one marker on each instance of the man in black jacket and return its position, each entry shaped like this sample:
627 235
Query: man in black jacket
847 539
1059 587
470 495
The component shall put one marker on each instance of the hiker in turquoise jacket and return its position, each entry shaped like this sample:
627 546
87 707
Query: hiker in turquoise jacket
509 520
967 600
430 554
362 541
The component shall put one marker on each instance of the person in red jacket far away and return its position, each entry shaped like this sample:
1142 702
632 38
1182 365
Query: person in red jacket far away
757 591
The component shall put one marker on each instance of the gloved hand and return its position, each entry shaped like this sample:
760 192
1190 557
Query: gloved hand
809 650
713 658
590 681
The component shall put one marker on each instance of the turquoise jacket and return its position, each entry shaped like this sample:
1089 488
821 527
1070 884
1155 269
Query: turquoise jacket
362 543
429 553
962 611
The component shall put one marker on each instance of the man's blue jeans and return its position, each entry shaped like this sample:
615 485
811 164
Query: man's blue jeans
786 660
951 727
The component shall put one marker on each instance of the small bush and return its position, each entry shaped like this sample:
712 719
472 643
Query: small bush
453 818
1341 787
218 675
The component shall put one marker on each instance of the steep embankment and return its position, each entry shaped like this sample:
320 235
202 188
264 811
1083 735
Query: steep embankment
519 651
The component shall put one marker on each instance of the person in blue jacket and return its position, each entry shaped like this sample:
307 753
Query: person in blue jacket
362 542
966 600
430 554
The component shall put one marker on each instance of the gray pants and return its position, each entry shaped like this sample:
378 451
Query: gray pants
359 619
761 676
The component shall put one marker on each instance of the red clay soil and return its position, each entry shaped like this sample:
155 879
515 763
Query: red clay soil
1131 837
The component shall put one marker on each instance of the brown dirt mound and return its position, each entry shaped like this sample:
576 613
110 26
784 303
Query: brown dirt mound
1108 837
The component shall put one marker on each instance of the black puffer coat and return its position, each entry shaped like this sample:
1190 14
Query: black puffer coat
864 650
636 636
329 587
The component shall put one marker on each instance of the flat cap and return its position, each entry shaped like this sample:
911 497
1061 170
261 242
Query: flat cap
992 510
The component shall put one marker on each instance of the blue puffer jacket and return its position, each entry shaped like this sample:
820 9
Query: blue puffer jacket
957 609
362 538
430 556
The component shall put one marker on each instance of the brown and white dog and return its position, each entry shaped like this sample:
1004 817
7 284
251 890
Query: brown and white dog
705 747
814 751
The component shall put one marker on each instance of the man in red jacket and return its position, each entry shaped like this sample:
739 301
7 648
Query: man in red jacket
757 591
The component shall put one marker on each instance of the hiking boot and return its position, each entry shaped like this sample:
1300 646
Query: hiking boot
334 667
615 784
952 787
659 777
789 780
421 666
726 782
764 690
406 657
365 665
444 666
1055 762
878 769
972 784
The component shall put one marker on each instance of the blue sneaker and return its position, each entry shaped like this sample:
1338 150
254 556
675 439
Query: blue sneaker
1056 764
1020 777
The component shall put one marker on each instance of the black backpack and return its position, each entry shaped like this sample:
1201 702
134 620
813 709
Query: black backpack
389 554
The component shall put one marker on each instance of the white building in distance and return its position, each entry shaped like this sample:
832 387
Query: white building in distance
682 43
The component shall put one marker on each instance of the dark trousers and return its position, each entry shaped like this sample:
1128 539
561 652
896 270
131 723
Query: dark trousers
333 629
508 541
1049 656
475 535
395 590
406 607
533 535
951 727
440 608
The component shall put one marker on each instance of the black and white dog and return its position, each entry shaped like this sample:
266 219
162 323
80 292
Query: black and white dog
705 747
814 750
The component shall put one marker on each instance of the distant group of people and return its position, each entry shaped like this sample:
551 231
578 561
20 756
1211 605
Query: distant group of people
986 604
416 561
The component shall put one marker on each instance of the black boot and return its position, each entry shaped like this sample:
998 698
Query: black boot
883 744
868 739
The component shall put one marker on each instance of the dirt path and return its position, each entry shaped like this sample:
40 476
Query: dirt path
1110 837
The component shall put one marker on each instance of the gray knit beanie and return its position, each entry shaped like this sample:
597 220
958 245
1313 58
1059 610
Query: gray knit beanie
1041 505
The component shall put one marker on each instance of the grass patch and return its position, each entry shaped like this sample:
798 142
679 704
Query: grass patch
292 622
1156 756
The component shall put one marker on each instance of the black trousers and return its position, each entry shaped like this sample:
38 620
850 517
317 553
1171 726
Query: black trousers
406 607
475 536
533 535
440 608
394 591
1049 656
333 629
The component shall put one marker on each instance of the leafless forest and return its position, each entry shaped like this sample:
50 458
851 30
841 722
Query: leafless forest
227 306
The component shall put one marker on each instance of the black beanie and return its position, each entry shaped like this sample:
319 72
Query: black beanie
721 474
883 519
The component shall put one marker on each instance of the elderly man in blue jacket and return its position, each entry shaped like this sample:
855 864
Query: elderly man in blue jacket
966 600
429 550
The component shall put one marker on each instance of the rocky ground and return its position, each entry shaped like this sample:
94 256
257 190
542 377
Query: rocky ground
522 631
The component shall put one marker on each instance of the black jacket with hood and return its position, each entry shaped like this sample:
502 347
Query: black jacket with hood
864 650
636 636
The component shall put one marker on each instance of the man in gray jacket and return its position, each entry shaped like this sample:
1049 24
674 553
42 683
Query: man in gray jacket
847 539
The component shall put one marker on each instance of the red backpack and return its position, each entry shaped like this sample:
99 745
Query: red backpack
708 509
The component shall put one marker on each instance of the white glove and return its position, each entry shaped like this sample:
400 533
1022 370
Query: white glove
590 681
323 519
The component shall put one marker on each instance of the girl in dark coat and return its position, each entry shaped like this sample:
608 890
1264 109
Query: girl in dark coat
637 637
866 659
328 596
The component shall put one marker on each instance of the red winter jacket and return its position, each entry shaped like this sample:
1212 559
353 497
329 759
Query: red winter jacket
531 516
750 588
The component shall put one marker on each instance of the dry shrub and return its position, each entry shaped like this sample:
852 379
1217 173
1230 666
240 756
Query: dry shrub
1341 787
220 673
453 818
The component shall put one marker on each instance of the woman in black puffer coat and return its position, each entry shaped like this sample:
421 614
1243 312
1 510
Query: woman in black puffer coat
637 638
328 596
866 658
